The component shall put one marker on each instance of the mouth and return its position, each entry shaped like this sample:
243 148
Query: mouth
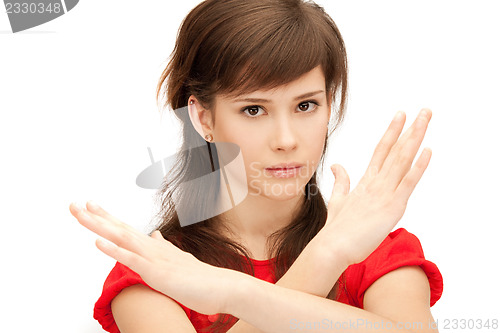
281 166
284 171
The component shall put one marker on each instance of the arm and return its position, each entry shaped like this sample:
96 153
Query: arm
303 274
139 309
398 299
391 296
389 299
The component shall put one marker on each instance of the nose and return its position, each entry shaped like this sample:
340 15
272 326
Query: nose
284 136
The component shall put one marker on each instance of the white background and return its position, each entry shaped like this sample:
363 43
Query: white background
78 111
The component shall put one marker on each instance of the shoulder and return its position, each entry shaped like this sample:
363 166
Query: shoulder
400 248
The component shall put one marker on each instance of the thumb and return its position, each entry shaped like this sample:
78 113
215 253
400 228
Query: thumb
157 235
342 183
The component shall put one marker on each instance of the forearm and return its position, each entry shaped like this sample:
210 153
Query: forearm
273 308
315 272
316 269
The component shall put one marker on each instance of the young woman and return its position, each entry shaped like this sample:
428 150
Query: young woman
255 248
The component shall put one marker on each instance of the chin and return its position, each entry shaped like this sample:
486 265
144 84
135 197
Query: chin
280 190
285 197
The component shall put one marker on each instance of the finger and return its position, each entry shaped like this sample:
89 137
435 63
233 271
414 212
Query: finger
130 259
342 183
76 209
403 156
94 208
127 238
157 235
98 213
387 142
396 148
410 181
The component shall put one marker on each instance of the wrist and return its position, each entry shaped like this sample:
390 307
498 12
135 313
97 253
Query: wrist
330 248
237 290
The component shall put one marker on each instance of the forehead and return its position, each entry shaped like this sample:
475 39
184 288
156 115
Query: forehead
312 81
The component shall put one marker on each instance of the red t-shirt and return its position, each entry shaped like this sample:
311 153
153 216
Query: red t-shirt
399 248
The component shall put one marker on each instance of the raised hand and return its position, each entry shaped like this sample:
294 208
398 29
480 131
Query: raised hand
358 221
162 265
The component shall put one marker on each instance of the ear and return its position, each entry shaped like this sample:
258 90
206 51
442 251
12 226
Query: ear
200 117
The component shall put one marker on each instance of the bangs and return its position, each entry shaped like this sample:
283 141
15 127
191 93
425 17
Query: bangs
280 56
266 48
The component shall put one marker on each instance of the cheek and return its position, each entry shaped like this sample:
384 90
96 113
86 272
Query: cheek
232 129
252 155
315 141
316 130
251 151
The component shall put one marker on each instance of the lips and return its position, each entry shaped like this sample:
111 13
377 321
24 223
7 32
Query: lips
284 166
284 170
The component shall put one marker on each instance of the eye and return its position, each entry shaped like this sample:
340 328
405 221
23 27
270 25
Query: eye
252 111
305 106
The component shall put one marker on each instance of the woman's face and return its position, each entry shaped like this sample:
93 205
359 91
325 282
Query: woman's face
284 125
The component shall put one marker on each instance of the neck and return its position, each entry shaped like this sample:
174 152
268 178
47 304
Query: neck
249 218
253 220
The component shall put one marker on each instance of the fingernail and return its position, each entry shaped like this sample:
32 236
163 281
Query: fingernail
77 206
93 204
105 243
398 115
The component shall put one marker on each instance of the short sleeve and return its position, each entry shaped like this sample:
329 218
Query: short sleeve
399 248
118 279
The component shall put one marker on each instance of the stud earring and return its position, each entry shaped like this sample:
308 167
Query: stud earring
191 102
209 137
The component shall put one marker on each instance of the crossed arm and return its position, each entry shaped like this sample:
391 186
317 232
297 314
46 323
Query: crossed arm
399 299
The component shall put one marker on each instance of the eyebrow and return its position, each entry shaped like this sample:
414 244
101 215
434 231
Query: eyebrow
261 100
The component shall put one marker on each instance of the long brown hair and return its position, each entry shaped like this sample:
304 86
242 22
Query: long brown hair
229 47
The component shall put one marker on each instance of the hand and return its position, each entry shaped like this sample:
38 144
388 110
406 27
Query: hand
162 265
359 221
